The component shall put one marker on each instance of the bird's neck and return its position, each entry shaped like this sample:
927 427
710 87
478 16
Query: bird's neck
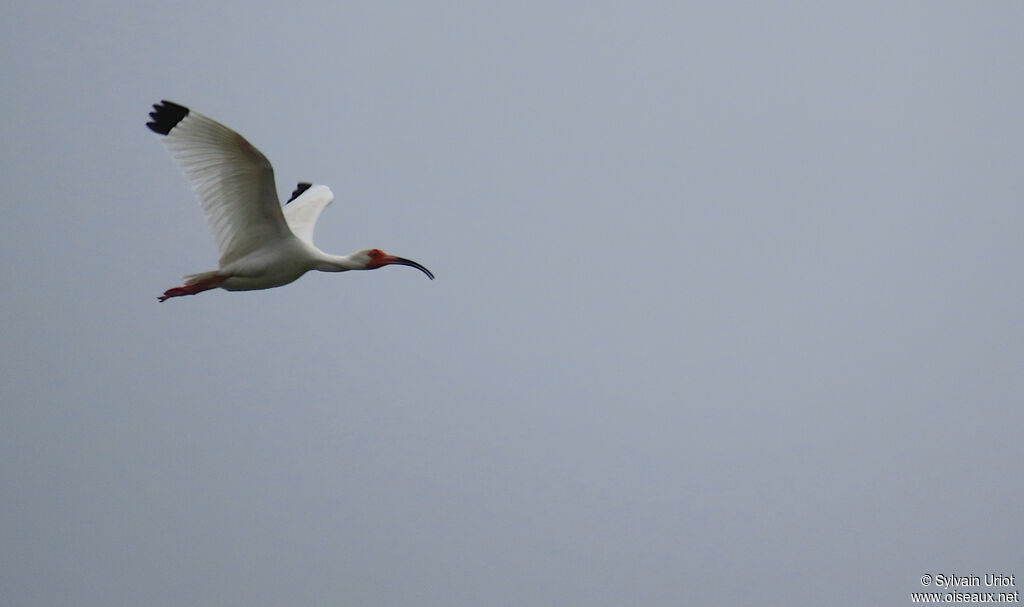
335 263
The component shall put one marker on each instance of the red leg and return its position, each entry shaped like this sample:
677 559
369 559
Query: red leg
199 287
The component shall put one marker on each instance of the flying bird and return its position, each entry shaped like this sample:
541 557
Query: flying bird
261 245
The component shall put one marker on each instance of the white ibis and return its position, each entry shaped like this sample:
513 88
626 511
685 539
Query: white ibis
261 246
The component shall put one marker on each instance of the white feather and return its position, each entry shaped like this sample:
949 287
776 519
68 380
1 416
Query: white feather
234 183
303 212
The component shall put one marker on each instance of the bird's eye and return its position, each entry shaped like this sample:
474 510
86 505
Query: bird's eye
375 253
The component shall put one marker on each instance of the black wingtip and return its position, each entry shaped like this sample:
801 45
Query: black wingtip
166 115
299 189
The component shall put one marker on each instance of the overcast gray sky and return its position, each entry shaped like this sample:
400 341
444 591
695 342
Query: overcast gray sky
727 309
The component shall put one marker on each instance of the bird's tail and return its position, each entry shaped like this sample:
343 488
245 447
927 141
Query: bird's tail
202 277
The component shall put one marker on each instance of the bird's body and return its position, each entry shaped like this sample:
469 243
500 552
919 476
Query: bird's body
270 267
261 245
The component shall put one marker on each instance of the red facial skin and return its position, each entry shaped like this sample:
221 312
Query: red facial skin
380 259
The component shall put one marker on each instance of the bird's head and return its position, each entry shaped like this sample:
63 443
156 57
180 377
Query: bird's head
371 259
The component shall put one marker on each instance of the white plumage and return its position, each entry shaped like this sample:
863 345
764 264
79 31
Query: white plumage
303 212
260 245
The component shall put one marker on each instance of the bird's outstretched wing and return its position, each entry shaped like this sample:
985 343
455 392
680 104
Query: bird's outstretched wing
304 207
233 180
